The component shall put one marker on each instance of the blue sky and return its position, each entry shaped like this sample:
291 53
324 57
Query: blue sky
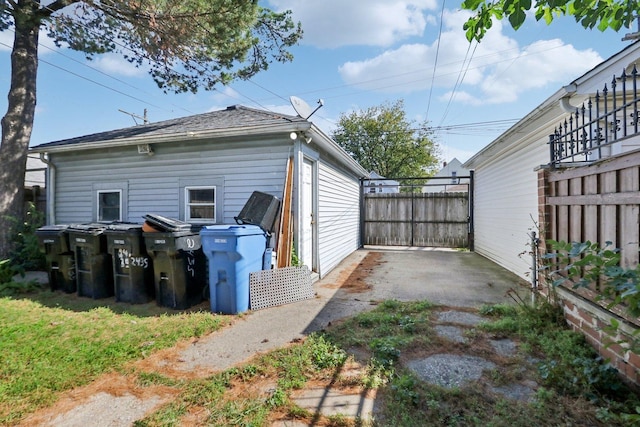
355 54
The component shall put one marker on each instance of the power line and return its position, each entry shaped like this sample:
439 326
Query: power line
435 62
459 80
92 81
125 47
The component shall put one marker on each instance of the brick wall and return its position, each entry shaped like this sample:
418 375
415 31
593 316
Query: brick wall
582 311
592 321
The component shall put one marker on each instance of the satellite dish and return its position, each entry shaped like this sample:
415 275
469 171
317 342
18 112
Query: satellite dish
302 108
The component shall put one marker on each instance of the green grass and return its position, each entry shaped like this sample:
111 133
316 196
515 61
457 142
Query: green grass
53 342
577 388
47 350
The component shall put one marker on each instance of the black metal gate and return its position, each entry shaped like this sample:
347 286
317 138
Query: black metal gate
435 211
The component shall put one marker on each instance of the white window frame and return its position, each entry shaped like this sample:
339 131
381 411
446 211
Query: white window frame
98 207
188 204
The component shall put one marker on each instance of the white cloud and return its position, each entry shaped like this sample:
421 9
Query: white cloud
114 64
495 71
336 23
540 63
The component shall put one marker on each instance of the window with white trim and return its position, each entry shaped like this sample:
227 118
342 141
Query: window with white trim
109 205
200 204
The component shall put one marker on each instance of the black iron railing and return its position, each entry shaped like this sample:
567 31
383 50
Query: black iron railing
603 120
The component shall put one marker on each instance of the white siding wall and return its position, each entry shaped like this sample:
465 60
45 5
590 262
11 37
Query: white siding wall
506 206
338 216
153 182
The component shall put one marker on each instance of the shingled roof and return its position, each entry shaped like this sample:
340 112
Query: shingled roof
233 117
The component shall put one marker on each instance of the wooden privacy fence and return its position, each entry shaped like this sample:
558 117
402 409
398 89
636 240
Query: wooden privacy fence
416 219
597 203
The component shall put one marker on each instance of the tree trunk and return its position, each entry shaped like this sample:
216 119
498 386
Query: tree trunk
17 125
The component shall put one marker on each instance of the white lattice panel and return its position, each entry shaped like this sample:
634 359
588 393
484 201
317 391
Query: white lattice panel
268 288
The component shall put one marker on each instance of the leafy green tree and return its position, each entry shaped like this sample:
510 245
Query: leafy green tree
381 139
185 44
600 14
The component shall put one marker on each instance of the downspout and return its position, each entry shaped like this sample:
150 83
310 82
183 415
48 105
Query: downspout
51 189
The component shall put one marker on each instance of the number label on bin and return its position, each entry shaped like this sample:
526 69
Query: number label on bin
159 242
118 242
220 240
140 261
191 263
48 241
191 243
81 240
127 260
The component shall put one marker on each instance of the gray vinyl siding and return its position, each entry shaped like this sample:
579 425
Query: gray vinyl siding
338 216
154 182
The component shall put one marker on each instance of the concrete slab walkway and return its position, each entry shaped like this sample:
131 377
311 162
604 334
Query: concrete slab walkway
460 279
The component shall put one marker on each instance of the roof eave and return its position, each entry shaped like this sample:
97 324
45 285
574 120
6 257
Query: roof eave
332 147
519 127
174 137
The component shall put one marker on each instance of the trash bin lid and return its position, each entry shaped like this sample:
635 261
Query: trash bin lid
123 227
231 230
92 228
53 228
167 224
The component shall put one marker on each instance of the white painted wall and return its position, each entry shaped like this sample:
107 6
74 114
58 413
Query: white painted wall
338 215
506 206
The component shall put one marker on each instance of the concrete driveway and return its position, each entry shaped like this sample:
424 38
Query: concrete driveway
360 282
445 277
365 278
441 276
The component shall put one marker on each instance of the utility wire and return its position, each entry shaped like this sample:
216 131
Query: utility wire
92 81
105 74
459 80
125 47
435 62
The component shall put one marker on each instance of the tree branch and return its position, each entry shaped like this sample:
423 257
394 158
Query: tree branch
56 6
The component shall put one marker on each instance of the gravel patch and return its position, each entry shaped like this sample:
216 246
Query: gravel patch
504 347
450 370
452 333
460 317
520 392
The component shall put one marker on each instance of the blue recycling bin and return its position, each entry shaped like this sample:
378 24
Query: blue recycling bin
233 252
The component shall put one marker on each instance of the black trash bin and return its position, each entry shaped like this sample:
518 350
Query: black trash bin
261 209
132 266
179 264
54 242
94 276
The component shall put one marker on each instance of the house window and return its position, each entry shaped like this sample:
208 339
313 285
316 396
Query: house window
200 204
109 205
454 180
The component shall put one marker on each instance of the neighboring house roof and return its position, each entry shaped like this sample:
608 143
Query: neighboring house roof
562 103
454 165
235 120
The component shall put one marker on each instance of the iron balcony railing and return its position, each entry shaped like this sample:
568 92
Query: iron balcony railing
603 120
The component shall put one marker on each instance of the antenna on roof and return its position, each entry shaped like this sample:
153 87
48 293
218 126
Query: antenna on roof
135 116
302 108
